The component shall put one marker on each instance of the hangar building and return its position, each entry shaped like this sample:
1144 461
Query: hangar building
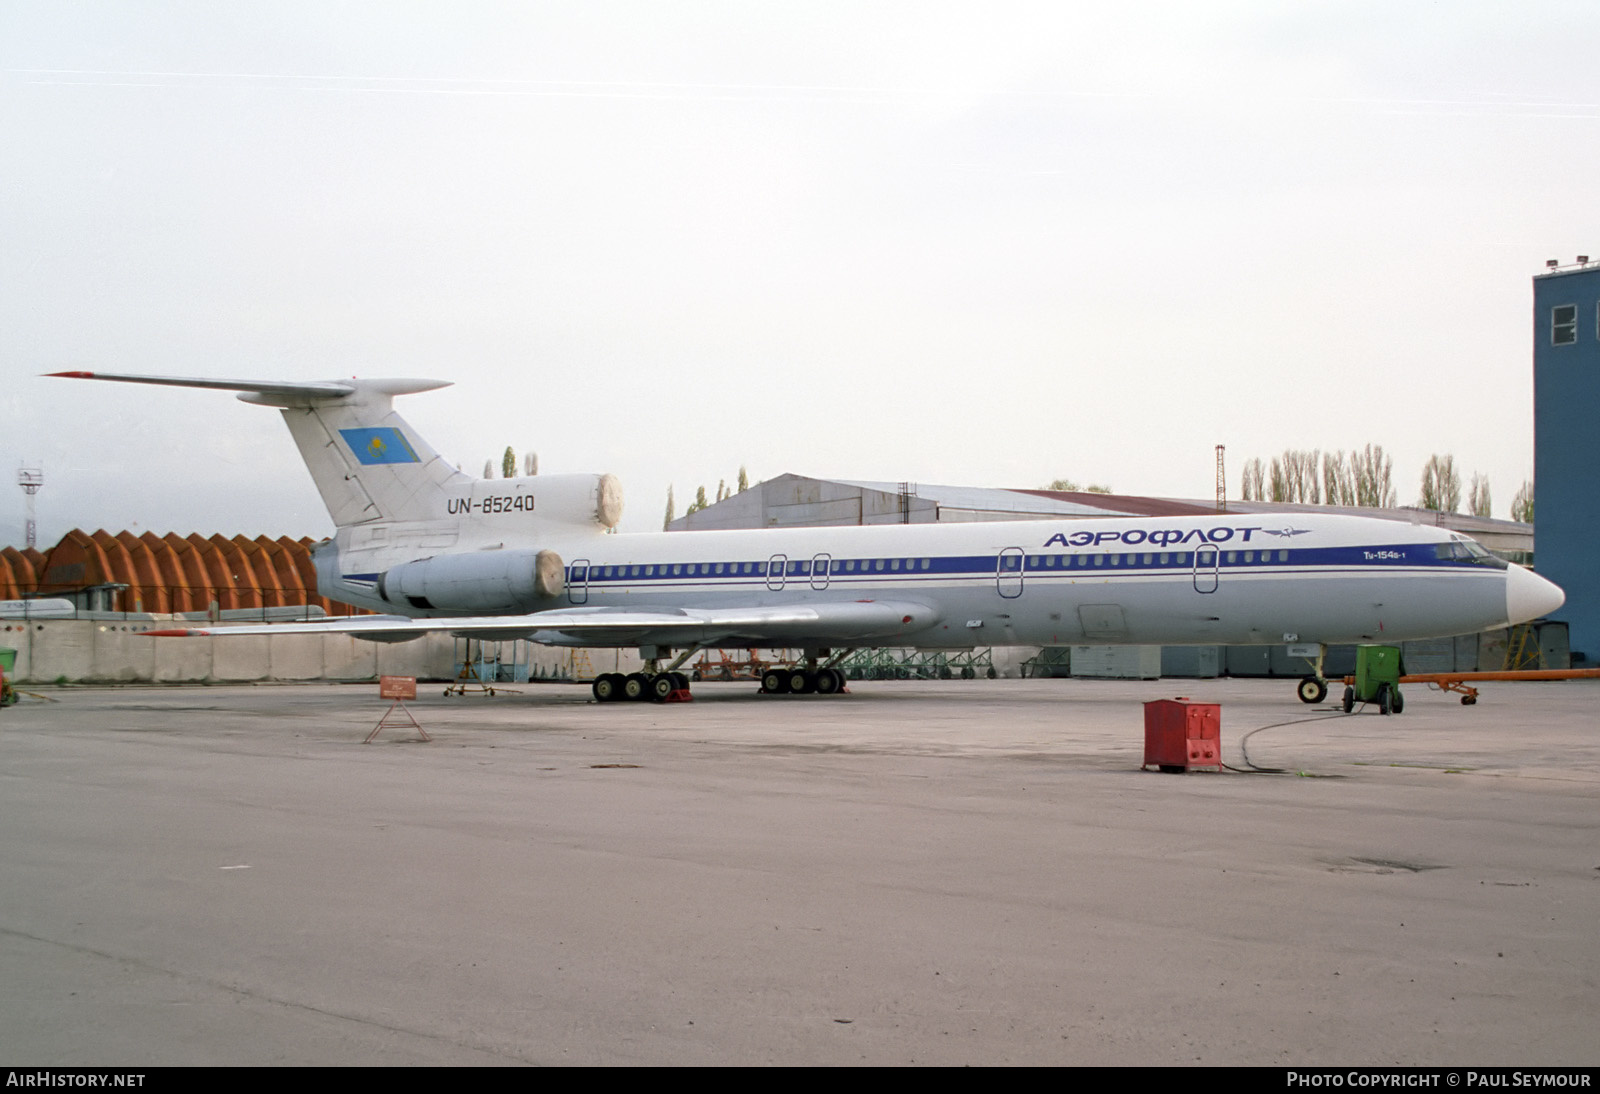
789 501
1566 443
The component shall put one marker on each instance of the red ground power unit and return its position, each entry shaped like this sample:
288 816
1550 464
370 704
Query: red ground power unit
1180 735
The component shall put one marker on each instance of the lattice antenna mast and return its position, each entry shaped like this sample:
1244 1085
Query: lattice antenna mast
1222 482
31 479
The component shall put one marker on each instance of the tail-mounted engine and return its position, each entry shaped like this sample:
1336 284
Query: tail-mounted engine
477 581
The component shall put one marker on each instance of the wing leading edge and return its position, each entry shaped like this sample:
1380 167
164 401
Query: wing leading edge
844 622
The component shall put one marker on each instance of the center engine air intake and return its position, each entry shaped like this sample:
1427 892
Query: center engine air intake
479 581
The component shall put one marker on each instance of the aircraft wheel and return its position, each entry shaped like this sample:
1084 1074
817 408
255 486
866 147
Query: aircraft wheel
1312 690
774 682
1349 699
662 685
635 687
1469 700
829 681
802 682
680 681
607 688
1383 699
1398 703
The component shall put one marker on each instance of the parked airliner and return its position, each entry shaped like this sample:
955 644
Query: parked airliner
536 558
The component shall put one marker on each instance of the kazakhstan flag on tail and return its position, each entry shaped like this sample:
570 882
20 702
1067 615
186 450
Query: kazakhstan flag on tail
381 445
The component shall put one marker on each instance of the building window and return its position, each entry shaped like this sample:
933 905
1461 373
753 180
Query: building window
1563 324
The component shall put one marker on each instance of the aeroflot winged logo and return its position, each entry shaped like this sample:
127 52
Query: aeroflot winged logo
1167 537
382 445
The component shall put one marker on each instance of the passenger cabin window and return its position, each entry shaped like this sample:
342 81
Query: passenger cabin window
1563 324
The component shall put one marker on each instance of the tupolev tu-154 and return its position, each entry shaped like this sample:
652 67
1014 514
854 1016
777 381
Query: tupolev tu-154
432 549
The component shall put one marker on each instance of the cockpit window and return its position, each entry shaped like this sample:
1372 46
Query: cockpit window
1469 552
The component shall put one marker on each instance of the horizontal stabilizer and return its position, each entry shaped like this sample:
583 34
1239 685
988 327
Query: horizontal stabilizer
271 392
368 464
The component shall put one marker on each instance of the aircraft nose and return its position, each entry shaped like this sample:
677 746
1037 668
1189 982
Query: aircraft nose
1529 596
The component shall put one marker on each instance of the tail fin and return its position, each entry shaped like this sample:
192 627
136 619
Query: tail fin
368 463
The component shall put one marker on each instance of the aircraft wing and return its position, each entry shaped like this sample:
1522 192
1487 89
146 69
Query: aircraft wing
836 623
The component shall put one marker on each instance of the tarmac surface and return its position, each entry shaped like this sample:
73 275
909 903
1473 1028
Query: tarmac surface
963 872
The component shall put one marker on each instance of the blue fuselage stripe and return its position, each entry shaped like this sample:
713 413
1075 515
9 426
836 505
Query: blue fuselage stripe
1033 567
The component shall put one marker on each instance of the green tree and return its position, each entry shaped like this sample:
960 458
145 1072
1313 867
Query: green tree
1293 477
698 503
1441 484
744 479
1253 481
1309 476
1522 503
672 509
508 464
1478 503
1372 470
1338 480
1070 487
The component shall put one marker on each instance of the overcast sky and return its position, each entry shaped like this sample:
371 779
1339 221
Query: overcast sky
983 244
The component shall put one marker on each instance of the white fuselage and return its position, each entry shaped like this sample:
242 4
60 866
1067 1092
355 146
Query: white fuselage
420 540
1224 579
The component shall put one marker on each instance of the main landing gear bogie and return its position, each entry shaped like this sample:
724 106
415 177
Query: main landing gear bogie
635 687
667 687
799 681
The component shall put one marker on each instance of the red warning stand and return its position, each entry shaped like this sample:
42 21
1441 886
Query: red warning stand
1182 735
398 688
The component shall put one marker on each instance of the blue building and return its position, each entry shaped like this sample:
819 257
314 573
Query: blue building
1566 459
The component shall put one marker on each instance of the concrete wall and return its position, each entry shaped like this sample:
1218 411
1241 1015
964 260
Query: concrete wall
104 652
92 652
